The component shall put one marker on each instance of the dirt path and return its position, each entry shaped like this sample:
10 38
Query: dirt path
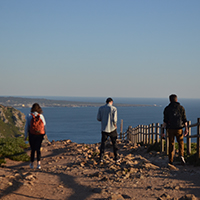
70 171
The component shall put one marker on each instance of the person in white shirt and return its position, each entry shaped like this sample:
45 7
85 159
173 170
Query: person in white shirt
107 115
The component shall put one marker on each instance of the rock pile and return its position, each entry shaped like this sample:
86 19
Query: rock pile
132 167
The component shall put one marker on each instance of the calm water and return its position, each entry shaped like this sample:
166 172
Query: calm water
80 124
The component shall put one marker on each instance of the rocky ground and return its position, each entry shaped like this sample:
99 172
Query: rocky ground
71 171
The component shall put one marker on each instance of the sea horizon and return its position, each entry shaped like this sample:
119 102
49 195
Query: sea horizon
80 124
117 100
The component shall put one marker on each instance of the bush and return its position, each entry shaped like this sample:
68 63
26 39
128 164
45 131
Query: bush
154 147
191 159
13 148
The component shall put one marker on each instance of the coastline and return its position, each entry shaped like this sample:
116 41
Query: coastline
21 102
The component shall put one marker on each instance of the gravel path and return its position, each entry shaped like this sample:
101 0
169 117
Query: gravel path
71 171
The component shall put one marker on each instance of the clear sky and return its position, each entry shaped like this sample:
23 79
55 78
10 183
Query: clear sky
100 48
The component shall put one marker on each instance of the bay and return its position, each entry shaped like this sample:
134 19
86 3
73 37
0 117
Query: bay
80 125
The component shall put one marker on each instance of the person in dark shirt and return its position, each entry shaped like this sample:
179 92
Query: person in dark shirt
174 121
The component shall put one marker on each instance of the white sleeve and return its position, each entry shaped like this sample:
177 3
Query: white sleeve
43 119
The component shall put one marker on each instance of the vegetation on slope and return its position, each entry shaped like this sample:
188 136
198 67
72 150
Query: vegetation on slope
12 144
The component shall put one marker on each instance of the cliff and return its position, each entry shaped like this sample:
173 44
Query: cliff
12 122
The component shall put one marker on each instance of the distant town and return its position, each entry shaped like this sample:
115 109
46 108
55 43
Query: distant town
20 102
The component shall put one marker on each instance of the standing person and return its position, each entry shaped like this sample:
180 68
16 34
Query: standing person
174 121
35 126
107 115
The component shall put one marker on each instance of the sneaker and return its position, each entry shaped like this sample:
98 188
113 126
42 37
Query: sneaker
31 165
38 166
182 160
101 161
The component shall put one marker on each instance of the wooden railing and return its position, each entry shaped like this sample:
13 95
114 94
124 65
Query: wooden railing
152 133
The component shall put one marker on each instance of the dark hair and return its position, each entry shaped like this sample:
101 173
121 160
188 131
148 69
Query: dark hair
108 100
36 108
173 98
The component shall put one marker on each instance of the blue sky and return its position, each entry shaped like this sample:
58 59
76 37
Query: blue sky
100 48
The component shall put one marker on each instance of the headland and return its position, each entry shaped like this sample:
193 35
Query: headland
20 102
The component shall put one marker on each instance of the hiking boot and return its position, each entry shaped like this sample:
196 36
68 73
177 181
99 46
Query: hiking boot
182 160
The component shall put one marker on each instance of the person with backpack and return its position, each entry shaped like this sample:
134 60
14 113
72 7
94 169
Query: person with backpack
174 121
35 129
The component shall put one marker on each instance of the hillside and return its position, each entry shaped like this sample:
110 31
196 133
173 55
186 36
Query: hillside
12 122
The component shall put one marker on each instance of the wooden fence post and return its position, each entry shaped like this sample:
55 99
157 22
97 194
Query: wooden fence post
144 135
128 133
139 133
167 143
131 135
134 136
198 138
153 133
146 140
150 133
121 129
147 134
189 139
157 132
161 139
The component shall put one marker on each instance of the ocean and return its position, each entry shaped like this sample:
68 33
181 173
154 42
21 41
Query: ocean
80 125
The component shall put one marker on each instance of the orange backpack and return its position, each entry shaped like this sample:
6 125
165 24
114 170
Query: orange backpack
37 125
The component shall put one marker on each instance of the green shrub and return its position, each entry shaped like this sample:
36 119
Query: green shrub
8 130
154 147
193 160
190 159
13 148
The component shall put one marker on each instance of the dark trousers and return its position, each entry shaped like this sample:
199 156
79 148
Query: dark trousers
35 142
113 137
